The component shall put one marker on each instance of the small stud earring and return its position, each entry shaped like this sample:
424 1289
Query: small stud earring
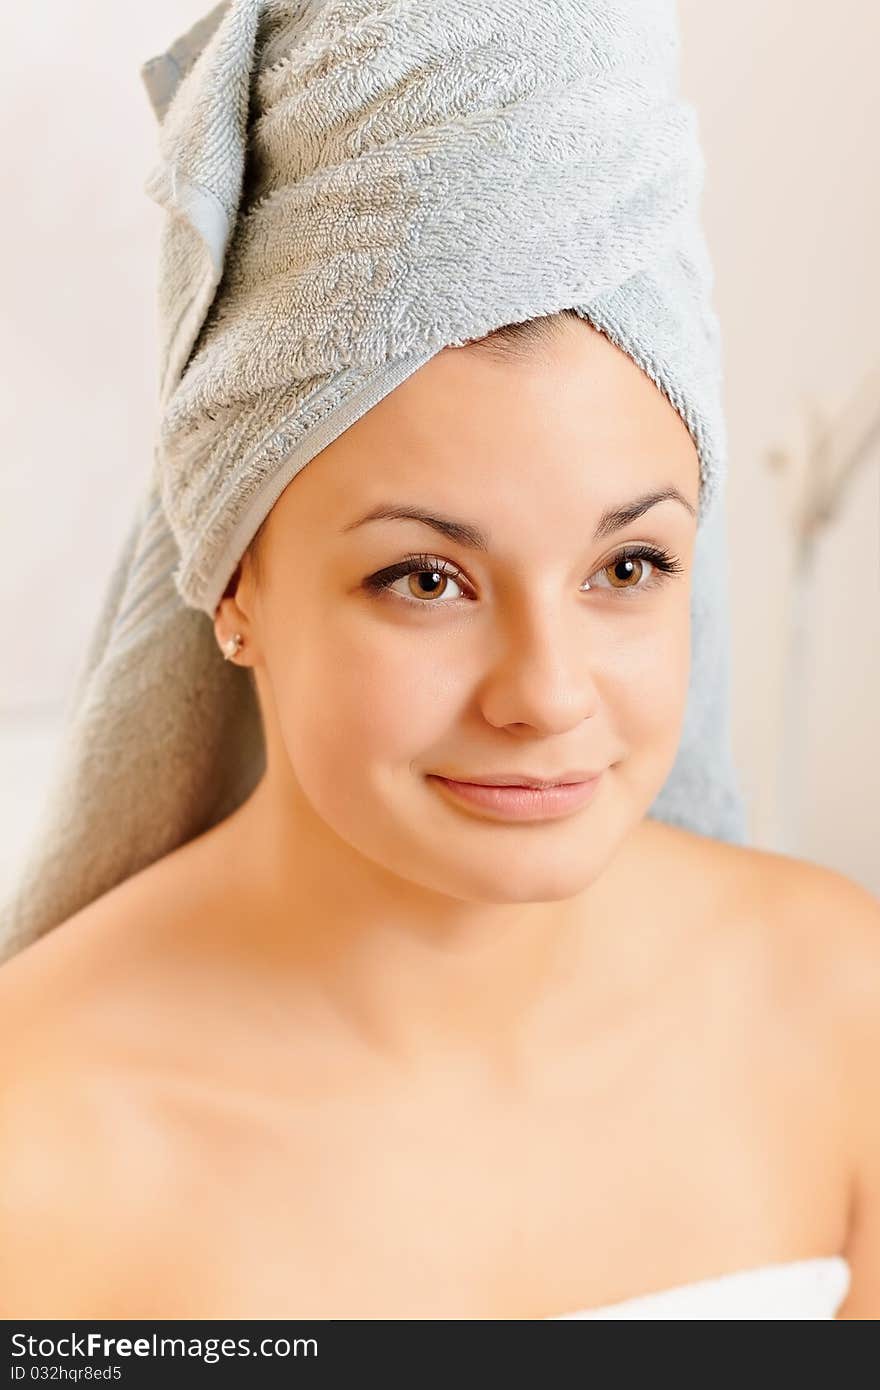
233 646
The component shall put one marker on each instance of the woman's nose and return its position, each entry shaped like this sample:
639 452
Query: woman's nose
542 675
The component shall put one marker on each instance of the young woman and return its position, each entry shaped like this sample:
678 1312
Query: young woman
397 1039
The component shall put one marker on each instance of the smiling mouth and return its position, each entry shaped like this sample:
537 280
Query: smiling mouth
518 802
523 779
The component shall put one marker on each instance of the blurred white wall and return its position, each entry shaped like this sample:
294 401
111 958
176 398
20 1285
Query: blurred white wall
789 105
789 108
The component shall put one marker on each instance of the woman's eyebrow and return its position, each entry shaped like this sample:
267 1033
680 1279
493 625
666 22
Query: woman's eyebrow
466 533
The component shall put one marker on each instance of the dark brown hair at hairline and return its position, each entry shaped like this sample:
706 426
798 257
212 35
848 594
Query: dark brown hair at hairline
512 340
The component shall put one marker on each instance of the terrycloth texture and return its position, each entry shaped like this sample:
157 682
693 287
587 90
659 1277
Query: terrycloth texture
351 186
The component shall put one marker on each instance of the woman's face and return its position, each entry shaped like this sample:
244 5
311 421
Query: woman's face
542 653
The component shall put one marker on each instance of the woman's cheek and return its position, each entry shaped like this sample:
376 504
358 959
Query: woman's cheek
385 701
647 681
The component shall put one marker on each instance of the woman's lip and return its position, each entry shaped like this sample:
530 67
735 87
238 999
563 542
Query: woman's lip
521 803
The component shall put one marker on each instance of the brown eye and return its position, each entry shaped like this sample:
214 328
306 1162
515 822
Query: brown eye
625 573
428 583
427 580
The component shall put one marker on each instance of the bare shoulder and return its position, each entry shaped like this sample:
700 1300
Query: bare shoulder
817 932
108 1047
813 889
81 1156
841 920
119 939
831 925
828 922
63 1162
60 1228
822 909
819 929
845 920
809 932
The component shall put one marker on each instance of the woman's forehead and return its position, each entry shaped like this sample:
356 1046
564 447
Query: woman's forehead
576 431
589 411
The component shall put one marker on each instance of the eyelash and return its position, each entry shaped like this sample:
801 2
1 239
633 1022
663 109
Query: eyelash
664 564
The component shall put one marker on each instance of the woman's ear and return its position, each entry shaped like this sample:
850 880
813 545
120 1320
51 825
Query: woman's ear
232 586
233 616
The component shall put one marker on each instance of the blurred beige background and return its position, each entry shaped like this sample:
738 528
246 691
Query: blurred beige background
789 109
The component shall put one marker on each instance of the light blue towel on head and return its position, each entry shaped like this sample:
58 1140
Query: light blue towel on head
351 186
